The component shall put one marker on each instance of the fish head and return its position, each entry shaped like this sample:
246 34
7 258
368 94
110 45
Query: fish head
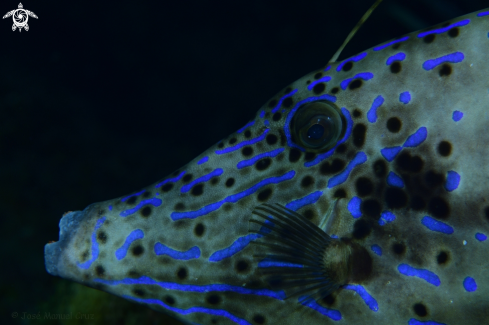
395 138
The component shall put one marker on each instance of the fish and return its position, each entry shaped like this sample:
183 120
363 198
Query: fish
356 195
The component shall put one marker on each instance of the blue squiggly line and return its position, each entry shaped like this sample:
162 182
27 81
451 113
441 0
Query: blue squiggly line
249 162
174 179
369 300
121 252
205 178
246 126
153 201
308 199
282 99
129 196
444 29
85 265
242 144
232 198
192 253
336 180
280 295
217 312
381 47
354 59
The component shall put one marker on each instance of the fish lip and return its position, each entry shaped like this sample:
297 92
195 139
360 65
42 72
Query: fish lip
68 225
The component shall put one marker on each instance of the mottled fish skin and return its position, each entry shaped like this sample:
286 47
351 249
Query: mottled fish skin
411 174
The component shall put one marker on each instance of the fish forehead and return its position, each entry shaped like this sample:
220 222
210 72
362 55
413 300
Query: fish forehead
198 216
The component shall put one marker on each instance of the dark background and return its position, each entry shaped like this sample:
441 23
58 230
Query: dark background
100 99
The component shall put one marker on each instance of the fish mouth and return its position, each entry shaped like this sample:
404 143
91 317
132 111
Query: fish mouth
68 226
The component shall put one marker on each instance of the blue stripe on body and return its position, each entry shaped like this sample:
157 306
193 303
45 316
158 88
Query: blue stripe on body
243 143
251 161
95 251
121 252
205 178
232 198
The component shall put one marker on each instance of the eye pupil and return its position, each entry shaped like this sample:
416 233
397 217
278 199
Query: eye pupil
315 132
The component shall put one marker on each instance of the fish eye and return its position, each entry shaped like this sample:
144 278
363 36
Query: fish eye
317 126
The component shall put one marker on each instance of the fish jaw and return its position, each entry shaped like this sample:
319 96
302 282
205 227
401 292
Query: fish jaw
60 257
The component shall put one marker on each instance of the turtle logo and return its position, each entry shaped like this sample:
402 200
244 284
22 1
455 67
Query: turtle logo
20 17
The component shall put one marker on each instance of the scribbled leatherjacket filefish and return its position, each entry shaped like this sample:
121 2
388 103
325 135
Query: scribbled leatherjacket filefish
357 195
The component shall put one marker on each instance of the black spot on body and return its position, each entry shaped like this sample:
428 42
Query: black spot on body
179 206
444 148
242 266
395 198
319 88
357 113
445 70
434 179
230 182
329 300
146 194
453 32
294 155
272 103
429 38
247 151
420 310
167 187
277 116
264 195
438 208
364 186
271 139
417 203
486 213
358 133
100 271
182 273
347 66
380 168
263 164
247 133
259 319
396 67
198 189
394 124
307 181
361 229
399 248
139 292
355 84
146 211
137 250
408 163
287 102
287 90
334 167
131 200
309 156
371 208
442 257
220 145
341 148
335 90
340 193
213 299
309 214
169 300
232 141
318 75
199 230
214 180
102 237
187 178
